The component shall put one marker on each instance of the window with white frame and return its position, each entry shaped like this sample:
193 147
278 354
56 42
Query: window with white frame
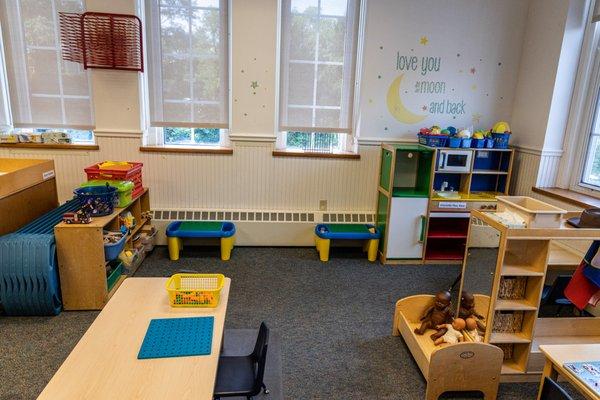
318 61
45 93
188 72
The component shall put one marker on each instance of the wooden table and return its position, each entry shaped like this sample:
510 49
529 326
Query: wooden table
104 364
557 355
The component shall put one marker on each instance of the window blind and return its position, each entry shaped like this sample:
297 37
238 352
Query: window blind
188 70
318 57
45 91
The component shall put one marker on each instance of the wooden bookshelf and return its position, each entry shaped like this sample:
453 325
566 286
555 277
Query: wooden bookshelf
82 266
524 257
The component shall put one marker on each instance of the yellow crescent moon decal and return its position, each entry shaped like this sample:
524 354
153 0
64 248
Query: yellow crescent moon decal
395 106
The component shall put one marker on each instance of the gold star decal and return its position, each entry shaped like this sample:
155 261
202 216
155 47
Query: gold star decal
473 87
254 84
476 118
424 40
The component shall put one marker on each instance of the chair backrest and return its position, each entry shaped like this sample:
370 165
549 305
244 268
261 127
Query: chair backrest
558 288
552 391
259 355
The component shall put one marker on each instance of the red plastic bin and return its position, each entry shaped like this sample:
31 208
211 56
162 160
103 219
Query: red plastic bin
134 174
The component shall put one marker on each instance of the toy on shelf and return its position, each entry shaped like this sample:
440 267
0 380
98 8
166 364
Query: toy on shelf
113 244
81 216
467 310
501 134
434 136
439 313
127 220
100 199
452 332
465 135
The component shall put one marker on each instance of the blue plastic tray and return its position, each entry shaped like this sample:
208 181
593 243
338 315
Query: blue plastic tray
178 337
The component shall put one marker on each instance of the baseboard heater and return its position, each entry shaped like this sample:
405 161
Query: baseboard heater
263 228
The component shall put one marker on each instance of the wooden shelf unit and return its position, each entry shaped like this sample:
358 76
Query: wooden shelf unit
82 266
435 231
526 254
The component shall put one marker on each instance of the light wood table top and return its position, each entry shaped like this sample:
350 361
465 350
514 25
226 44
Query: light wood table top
560 354
104 364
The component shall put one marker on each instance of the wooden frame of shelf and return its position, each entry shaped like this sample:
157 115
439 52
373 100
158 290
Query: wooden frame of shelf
526 253
82 266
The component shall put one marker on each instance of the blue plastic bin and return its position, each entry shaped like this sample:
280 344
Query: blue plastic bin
477 143
466 143
501 140
112 250
489 143
433 140
103 199
454 142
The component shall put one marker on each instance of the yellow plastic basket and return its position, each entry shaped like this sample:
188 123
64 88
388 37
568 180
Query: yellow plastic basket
195 290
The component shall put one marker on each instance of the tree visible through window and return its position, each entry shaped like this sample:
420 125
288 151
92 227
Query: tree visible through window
206 136
318 53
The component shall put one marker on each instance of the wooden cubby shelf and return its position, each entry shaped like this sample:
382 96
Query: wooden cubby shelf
82 265
515 305
507 337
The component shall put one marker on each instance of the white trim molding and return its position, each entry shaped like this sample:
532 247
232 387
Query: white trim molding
252 137
118 133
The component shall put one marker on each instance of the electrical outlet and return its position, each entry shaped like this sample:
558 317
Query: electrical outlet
322 205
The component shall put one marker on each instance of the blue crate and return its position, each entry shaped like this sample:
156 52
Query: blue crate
112 250
454 142
501 140
433 140
103 199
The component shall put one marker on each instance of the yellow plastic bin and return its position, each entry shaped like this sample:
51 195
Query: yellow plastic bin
195 290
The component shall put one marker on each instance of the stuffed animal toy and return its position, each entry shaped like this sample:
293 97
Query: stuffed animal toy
439 313
467 310
452 334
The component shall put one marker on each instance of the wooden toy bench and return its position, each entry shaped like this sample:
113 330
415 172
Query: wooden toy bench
466 366
178 230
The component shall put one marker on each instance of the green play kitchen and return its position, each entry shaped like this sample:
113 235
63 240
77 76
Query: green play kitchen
426 194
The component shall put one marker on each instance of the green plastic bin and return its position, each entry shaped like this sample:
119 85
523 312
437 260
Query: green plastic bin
124 190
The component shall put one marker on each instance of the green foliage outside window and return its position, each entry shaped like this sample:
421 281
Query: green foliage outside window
192 135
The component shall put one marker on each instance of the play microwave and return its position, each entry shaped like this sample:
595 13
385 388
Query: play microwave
454 160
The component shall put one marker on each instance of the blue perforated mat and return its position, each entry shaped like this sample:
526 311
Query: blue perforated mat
178 337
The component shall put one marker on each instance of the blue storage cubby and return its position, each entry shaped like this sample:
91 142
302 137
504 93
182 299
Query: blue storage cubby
488 183
491 160
454 181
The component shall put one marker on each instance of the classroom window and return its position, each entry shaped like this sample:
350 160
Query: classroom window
42 91
318 59
188 70
591 167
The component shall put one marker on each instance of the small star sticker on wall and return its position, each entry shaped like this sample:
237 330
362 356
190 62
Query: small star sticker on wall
423 40
473 70
254 84
424 108
476 118
473 87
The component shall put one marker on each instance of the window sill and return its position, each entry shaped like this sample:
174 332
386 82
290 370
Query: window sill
58 146
569 196
186 149
314 154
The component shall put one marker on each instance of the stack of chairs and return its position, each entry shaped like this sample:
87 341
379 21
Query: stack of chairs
29 282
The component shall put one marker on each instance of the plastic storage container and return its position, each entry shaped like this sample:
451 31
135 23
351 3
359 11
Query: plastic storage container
433 140
501 140
454 142
124 190
118 171
113 272
112 250
102 199
477 143
195 290
466 143
489 143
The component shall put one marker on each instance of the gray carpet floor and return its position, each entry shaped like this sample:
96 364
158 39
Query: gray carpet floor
334 322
